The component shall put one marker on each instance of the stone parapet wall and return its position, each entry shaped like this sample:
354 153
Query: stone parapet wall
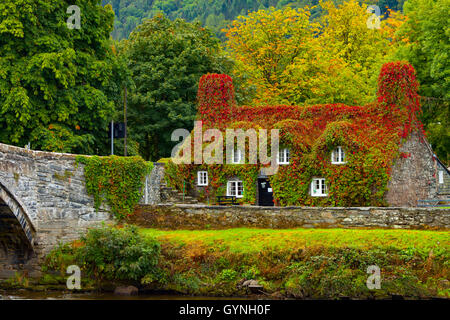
185 216
50 188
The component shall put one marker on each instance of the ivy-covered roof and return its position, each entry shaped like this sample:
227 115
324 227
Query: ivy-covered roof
370 135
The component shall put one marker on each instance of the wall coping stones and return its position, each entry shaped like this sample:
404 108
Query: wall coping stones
201 216
186 205
6 148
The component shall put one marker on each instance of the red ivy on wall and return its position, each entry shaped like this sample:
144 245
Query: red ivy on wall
371 136
215 99
397 94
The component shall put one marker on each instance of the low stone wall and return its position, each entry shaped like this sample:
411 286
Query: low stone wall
184 216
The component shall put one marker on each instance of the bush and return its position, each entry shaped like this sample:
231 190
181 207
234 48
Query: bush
119 254
60 258
227 275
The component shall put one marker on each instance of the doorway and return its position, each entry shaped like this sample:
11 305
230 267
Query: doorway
265 193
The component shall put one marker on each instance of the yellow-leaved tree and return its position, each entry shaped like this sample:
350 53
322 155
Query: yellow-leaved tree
265 44
290 59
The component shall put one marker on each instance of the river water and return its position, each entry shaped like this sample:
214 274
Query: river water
62 295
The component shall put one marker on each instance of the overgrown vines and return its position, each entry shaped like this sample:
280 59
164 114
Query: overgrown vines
371 136
117 180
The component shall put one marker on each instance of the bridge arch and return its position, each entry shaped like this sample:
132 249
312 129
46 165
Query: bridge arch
19 211
17 234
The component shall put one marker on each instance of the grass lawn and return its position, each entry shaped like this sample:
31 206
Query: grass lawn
246 240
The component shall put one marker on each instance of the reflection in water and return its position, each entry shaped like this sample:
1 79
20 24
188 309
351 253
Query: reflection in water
60 295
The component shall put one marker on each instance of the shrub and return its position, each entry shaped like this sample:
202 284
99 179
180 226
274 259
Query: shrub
60 258
119 254
227 275
251 273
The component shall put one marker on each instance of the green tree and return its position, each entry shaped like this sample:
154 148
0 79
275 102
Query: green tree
166 59
57 84
427 47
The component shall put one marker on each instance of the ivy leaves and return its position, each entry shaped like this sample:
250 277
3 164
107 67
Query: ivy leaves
116 180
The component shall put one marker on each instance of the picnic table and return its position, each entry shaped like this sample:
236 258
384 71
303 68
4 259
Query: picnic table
227 200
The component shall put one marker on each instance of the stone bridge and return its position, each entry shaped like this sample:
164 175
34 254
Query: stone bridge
43 201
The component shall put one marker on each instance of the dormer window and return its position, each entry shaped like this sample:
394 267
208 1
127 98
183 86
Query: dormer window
202 178
319 188
236 156
283 156
338 156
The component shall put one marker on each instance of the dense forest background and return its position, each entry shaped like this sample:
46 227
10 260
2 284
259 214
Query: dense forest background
215 14
61 86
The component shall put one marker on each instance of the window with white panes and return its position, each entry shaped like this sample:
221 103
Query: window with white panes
318 187
283 156
235 188
338 156
202 178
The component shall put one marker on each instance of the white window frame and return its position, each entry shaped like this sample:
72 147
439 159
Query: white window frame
319 187
202 178
283 156
235 183
239 154
338 156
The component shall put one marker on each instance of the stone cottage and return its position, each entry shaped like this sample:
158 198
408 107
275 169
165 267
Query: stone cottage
328 155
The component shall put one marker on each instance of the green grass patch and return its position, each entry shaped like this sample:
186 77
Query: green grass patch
246 240
307 263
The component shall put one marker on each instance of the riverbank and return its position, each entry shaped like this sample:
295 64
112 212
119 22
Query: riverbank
308 263
243 262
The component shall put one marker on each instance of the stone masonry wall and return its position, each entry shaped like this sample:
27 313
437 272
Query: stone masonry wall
152 188
51 188
414 177
185 216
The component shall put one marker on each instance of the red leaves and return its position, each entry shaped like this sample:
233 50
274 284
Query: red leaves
397 94
370 134
405 155
215 99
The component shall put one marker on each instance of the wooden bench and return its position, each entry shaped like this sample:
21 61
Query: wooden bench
227 200
434 203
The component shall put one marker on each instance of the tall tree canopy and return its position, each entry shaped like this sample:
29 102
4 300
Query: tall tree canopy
291 59
427 47
56 84
166 59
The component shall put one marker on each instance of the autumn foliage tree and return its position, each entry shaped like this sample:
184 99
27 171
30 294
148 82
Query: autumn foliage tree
426 45
291 59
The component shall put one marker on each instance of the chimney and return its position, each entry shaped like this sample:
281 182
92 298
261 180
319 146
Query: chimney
215 99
